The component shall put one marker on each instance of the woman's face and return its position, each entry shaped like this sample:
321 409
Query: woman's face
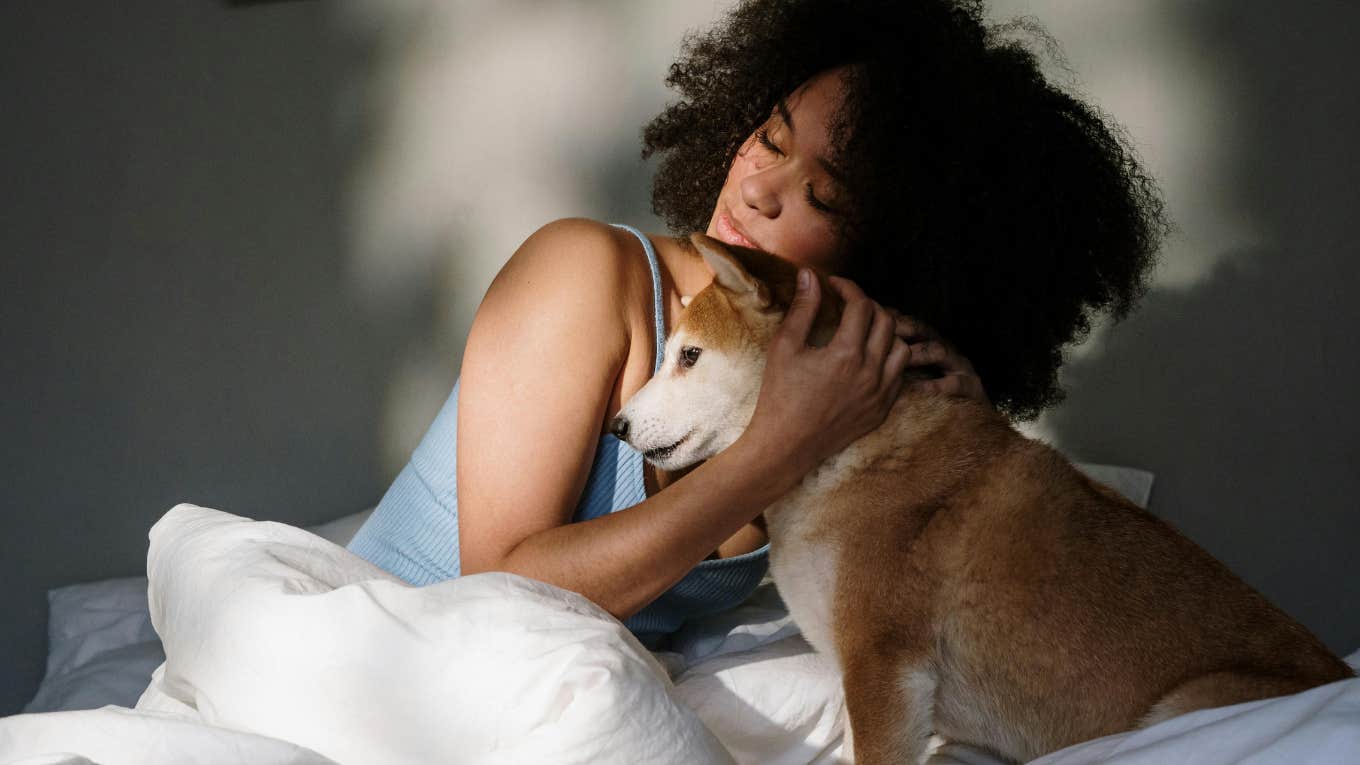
781 194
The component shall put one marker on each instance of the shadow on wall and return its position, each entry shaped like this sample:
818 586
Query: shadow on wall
179 327
1239 392
486 121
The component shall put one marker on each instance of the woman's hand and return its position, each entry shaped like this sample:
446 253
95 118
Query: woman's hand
814 402
820 400
929 349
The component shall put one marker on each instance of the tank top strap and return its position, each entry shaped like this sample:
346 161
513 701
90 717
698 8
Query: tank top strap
658 317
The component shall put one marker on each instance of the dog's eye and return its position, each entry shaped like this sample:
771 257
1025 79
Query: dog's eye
688 355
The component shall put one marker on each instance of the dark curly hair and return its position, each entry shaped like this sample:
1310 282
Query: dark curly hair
985 201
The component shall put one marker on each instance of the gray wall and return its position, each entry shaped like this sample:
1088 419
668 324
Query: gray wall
1236 382
225 281
174 320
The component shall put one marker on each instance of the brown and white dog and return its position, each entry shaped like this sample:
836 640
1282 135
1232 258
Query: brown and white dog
968 581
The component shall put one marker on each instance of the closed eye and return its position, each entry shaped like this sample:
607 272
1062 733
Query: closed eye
816 203
763 135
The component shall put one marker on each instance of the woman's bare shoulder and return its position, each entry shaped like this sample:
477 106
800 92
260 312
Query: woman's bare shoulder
594 254
577 270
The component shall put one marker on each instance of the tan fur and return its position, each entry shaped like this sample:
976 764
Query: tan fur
712 319
947 562
719 315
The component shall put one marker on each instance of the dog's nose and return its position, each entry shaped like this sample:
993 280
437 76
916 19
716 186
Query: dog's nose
619 427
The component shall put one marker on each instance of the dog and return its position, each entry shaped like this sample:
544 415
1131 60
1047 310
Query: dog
965 580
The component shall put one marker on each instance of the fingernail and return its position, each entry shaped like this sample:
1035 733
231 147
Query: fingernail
804 278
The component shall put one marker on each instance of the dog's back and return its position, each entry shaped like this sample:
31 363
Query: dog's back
978 572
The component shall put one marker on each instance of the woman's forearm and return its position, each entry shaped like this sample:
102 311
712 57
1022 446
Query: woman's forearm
625 560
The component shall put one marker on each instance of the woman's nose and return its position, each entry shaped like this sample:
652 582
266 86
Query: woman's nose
760 192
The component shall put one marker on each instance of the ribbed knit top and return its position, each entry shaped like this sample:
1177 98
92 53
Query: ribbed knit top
413 533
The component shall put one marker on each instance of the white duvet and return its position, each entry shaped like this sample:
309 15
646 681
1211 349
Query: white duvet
285 648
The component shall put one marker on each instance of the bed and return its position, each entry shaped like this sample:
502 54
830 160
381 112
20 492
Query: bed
287 649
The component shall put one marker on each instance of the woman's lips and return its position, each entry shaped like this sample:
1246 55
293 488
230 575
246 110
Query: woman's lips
728 232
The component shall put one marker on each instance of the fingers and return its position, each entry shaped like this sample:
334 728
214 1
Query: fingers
855 319
917 344
874 338
894 365
940 354
881 337
964 385
910 328
802 311
928 353
882 354
863 315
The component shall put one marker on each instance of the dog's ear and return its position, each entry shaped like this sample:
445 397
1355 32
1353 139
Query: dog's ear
728 269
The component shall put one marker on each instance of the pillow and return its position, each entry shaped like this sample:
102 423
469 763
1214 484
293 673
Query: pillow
101 645
1133 483
86 620
117 676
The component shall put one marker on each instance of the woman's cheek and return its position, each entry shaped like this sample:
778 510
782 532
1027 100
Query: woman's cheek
820 247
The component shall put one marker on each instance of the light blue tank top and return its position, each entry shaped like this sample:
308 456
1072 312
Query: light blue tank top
413 533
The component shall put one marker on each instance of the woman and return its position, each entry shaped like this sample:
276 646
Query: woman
902 145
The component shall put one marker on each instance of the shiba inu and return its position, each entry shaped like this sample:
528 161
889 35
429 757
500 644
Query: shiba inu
967 581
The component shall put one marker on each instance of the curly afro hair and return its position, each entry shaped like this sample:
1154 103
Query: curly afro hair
987 202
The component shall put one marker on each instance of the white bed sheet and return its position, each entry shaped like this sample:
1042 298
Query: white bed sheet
1321 726
280 641
117 736
103 648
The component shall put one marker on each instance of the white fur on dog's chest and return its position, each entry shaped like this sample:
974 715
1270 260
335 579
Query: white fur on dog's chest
803 561
805 573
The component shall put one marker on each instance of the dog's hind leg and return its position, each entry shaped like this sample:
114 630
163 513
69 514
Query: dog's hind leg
1219 689
891 704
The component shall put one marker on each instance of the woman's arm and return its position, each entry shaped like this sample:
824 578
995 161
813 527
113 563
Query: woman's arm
624 560
543 354
545 349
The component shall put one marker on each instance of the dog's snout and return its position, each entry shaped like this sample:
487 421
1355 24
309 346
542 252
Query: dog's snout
619 427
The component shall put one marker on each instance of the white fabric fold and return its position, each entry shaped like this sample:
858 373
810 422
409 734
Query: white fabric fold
272 630
285 649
